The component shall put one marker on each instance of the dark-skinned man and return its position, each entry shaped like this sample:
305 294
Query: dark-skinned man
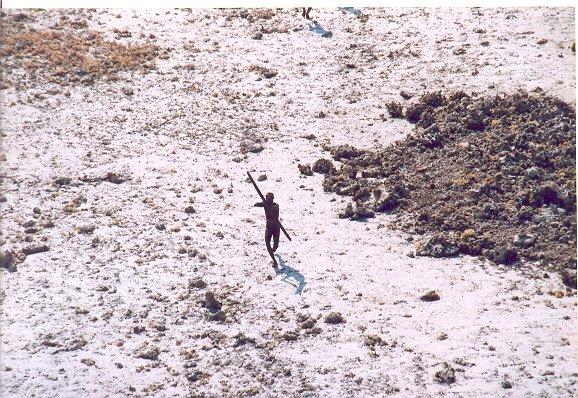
272 228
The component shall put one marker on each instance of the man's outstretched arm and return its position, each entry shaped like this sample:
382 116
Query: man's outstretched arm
259 204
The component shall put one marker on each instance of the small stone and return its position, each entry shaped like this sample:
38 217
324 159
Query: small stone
158 325
348 212
262 177
363 212
138 329
569 278
86 229
387 202
194 375
61 181
211 302
48 224
524 240
305 169
35 249
267 73
114 178
308 323
241 339
255 148
218 316
324 166
88 361
506 384
437 246
291 335
127 91
148 351
394 109
446 375
7 261
373 340
430 296
334 318
533 173
504 255
257 36
197 283
405 95
189 210
313 331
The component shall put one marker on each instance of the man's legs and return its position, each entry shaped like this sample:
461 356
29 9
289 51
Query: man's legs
269 233
276 233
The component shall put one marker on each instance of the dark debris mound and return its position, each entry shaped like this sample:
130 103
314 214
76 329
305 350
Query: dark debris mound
491 176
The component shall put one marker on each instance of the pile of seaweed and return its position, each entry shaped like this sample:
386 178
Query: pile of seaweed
490 176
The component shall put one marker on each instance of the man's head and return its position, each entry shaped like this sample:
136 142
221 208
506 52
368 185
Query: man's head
269 197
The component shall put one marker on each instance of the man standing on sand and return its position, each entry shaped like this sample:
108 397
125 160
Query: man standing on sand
273 227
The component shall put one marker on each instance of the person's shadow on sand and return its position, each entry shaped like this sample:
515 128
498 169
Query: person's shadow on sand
291 276
352 10
320 30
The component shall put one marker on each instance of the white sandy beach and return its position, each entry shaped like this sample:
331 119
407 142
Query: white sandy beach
75 319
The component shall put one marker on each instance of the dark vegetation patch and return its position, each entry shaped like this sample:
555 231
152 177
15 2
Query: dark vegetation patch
486 176
65 56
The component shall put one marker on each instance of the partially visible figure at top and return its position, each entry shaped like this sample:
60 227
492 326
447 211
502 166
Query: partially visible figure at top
306 11
272 228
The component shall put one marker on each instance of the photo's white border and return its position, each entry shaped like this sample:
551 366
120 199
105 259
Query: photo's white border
278 3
